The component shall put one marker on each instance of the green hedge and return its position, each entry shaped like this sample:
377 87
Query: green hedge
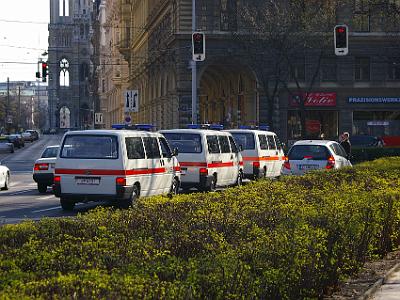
288 239
368 154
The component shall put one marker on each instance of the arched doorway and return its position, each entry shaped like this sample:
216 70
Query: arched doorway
228 95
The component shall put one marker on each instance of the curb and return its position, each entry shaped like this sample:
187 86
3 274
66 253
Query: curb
373 289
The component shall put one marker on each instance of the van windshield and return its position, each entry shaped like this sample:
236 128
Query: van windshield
90 147
185 142
246 140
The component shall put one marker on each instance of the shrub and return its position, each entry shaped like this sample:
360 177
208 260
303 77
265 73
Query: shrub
288 239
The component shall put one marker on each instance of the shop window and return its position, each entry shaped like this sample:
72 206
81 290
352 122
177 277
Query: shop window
376 123
317 122
362 69
394 69
328 70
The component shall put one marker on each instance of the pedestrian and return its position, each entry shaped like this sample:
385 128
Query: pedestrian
345 143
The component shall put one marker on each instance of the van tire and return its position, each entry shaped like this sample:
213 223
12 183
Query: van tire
66 204
213 184
6 182
174 187
42 188
239 180
265 173
128 202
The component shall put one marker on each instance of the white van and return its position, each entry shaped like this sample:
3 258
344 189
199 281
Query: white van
117 165
262 152
208 158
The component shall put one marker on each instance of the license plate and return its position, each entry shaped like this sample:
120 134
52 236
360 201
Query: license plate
308 167
87 180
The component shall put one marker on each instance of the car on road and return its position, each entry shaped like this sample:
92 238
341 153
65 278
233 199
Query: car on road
34 133
6 145
307 155
27 136
53 131
4 177
17 140
43 170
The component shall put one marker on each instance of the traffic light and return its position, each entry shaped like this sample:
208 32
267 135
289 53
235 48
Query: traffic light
341 37
198 46
44 71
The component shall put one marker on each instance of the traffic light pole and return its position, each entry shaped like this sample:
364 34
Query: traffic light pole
194 69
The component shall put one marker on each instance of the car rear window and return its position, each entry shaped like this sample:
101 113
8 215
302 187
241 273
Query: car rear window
90 147
184 142
314 152
50 152
246 140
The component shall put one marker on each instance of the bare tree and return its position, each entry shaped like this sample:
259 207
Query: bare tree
276 34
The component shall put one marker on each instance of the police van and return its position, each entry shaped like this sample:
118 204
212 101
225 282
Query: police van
208 158
117 165
262 151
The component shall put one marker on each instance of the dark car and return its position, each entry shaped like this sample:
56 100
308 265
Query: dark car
17 140
365 141
34 133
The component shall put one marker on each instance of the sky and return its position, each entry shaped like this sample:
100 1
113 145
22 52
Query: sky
23 37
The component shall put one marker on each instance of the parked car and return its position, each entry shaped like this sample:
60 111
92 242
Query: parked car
309 155
6 145
27 136
4 177
43 170
34 133
366 141
17 140
53 131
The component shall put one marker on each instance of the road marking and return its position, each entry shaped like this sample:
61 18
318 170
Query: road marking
20 192
46 209
47 197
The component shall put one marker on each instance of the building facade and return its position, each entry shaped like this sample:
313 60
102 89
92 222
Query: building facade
359 93
71 102
113 69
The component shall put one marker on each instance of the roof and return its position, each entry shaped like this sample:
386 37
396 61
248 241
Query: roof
194 131
313 142
115 132
250 131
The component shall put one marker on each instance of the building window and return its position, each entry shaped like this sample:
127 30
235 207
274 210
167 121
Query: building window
64 8
64 73
362 69
228 15
297 70
361 18
328 69
394 69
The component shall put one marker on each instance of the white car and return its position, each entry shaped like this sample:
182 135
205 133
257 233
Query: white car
4 177
309 155
43 170
27 136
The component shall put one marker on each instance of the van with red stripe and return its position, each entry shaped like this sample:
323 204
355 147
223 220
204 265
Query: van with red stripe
262 152
116 165
208 158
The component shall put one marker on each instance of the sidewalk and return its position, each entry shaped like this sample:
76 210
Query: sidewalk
390 290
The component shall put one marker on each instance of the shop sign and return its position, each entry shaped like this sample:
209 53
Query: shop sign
378 123
374 100
314 99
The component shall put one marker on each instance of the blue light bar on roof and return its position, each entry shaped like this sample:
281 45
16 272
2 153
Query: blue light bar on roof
194 126
216 126
118 126
264 127
245 127
144 127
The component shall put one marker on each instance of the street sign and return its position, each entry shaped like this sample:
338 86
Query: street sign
98 119
127 119
131 101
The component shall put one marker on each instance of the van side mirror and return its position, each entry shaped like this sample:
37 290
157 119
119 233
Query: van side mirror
175 152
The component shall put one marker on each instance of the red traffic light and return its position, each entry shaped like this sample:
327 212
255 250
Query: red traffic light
341 30
197 37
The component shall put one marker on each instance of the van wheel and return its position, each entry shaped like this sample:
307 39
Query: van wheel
213 184
128 202
6 183
42 188
174 187
239 180
265 173
66 204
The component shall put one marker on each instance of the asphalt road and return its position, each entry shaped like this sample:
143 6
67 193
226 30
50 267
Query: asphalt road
23 201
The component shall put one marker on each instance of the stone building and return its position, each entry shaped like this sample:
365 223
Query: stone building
359 93
113 69
70 65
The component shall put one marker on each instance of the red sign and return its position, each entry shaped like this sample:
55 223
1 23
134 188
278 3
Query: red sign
313 126
313 99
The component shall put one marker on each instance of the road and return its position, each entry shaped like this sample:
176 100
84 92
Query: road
23 201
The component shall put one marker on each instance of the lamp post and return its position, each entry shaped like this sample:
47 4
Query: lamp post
194 69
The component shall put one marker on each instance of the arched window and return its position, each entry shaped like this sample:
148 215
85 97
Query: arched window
64 8
64 73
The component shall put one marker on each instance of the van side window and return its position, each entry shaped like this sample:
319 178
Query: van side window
271 142
278 142
263 142
151 146
165 149
212 142
134 148
224 143
233 145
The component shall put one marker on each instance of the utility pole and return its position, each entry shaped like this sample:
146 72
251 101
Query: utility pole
8 105
194 69
19 108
